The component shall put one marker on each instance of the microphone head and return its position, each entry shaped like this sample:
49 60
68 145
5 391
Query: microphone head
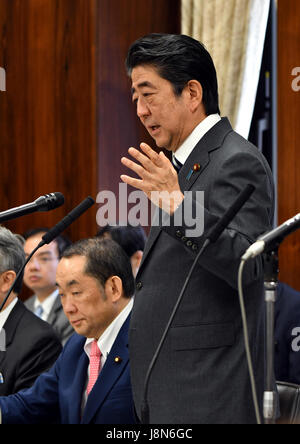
50 201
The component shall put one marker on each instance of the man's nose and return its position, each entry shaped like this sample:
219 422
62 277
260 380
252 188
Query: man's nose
68 305
142 109
33 264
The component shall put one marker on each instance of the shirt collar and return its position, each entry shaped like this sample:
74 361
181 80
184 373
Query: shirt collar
6 312
48 303
185 149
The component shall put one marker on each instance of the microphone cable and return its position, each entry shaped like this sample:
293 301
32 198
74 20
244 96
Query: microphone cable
246 341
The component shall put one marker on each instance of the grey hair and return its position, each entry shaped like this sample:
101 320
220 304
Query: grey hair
12 255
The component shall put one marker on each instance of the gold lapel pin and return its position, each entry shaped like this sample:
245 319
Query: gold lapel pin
195 169
118 360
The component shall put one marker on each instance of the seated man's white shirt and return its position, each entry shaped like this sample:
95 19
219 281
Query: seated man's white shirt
47 304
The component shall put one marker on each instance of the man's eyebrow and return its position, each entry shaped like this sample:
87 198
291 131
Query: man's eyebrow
69 284
142 85
41 253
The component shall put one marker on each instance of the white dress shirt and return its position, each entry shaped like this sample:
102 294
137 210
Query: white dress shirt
47 304
6 312
185 149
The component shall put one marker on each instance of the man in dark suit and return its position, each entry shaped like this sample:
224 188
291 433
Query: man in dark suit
201 374
39 276
90 381
287 334
31 344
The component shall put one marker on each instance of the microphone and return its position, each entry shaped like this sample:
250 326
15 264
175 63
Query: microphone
43 203
273 238
211 237
52 234
67 220
220 226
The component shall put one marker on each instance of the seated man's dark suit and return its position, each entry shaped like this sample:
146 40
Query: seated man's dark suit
32 347
57 395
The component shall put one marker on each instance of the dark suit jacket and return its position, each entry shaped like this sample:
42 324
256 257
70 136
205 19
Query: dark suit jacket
56 318
287 334
201 374
57 395
31 348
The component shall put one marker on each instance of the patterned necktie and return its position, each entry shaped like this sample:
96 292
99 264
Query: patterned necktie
39 311
176 164
95 364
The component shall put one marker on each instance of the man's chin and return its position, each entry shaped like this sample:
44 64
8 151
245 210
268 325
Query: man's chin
161 144
80 331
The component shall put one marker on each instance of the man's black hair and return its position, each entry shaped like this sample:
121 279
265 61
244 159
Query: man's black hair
105 258
178 59
130 238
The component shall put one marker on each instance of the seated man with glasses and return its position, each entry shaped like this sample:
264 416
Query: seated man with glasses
39 276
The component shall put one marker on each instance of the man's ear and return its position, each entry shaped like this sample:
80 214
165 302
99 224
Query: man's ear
114 288
195 94
6 280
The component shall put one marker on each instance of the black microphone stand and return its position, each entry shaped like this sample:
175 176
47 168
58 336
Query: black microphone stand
270 291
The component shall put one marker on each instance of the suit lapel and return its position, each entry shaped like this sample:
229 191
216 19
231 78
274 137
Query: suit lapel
11 325
200 155
109 374
30 303
153 235
79 382
53 313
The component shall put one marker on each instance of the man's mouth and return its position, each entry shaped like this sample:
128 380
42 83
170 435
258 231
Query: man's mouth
153 129
76 322
33 278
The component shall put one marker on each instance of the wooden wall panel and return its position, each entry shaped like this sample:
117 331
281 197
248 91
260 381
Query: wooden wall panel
66 117
48 113
289 136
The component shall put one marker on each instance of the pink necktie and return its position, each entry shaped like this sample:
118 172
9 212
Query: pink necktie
94 365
